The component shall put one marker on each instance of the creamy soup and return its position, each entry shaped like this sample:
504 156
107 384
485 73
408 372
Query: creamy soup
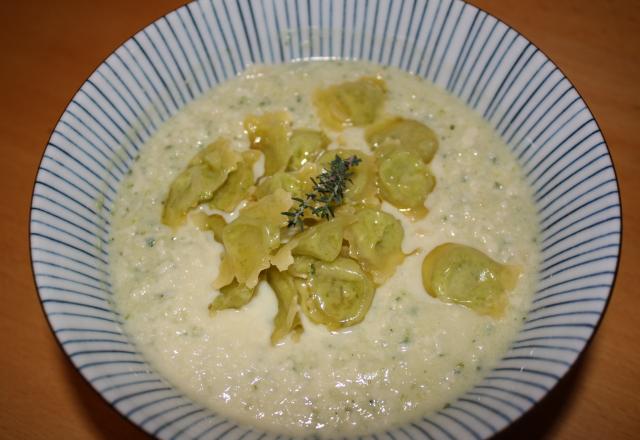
411 355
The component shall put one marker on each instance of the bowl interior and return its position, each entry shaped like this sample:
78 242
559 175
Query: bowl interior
459 47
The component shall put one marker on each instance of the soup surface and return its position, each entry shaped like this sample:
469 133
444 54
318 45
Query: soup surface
411 355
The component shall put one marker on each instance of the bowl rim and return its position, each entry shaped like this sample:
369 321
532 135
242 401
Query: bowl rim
536 401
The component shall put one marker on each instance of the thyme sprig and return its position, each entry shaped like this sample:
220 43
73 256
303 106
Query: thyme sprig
328 192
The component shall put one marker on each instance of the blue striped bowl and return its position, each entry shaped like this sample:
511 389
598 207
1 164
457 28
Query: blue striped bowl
459 47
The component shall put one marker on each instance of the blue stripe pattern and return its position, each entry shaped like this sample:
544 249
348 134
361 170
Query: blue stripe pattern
459 47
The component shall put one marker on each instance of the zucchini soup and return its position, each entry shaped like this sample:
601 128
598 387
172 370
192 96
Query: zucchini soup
324 247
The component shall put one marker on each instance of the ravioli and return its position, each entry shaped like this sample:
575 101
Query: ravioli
205 174
306 145
297 183
405 182
362 188
251 239
231 296
287 320
336 294
463 275
375 240
322 241
214 223
353 103
398 133
237 186
269 133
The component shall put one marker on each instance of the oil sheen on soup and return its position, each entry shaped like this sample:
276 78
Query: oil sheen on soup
412 353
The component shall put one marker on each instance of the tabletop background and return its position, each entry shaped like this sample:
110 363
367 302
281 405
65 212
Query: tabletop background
48 48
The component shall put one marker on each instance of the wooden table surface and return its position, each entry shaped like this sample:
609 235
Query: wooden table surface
49 48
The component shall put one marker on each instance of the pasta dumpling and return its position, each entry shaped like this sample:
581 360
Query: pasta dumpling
375 240
353 103
460 274
337 294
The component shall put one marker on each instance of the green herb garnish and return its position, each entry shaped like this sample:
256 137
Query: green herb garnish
328 192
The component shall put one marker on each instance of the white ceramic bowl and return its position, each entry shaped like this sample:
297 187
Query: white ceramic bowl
463 49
